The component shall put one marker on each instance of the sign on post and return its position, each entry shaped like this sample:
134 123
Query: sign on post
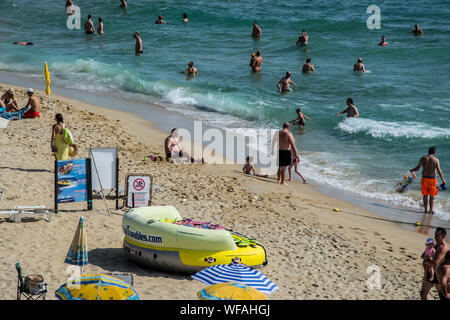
139 190
73 182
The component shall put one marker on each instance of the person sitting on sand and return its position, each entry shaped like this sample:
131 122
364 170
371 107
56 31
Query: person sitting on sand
11 115
123 4
441 249
89 26
34 104
359 67
138 45
256 62
308 66
303 39
191 70
383 42
443 275
427 257
58 145
351 110
417 31
100 26
185 18
248 167
428 183
256 32
160 20
300 120
9 100
284 83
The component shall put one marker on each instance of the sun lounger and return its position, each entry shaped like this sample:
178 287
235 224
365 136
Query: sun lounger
33 210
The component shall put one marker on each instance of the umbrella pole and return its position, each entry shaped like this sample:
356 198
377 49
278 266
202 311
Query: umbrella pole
49 104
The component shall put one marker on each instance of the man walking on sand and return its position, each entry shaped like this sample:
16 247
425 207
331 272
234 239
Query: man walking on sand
285 145
441 248
428 183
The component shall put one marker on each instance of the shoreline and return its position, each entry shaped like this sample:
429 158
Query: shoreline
313 252
157 115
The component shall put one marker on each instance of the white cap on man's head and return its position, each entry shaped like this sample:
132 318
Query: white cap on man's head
30 90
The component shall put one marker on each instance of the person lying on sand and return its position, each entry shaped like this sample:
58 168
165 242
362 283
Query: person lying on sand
9 100
300 120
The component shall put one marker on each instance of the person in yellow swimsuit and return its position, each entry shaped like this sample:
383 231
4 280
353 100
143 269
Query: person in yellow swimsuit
59 147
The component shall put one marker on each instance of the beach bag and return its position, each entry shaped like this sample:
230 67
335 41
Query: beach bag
68 138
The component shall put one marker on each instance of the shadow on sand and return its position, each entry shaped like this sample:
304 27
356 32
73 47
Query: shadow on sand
114 260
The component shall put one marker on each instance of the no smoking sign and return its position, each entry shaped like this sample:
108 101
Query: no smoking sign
139 184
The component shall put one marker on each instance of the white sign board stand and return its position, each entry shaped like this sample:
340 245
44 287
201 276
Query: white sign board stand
139 188
106 174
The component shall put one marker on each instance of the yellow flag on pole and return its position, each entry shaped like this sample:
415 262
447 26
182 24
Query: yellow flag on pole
47 80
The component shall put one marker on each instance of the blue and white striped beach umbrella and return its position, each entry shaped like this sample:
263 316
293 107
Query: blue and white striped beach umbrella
236 272
78 252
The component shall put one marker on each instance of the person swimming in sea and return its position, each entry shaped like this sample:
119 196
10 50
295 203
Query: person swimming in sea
256 32
24 43
383 42
300 120
351 110
417 31
284 84
160 20
308 66
191 70
123 4
359 67
185 18
138 46
303 39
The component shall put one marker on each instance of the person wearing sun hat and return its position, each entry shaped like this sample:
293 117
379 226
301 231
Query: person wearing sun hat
9 99
443 275
427 257
160 20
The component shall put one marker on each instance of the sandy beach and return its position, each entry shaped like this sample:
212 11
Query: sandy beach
313 252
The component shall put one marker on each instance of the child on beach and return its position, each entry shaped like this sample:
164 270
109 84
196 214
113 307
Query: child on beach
294 163
427 257
248 167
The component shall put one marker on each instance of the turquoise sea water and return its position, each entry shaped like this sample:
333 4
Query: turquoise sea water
404 100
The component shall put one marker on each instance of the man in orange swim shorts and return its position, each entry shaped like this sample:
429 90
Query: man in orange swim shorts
429 183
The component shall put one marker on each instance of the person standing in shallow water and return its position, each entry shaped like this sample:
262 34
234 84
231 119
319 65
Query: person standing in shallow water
359 67
383 42
138 46
428 183
256 62
284 84
351 110
160 20
303 39
417 31
185 18
123 4
308 66
89 26
256 32
100 26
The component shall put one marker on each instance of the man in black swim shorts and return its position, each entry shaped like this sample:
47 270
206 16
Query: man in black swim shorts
443 275
286 143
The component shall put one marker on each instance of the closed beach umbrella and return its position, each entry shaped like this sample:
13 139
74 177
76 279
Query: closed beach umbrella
96 287
236 272
78 252
230 291
47 80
